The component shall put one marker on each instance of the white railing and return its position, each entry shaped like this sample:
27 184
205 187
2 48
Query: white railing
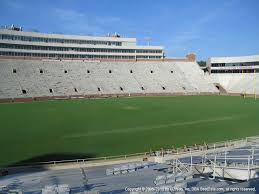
167 151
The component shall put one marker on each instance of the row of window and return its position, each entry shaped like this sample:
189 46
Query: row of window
57 40
236 71
234 64
148 51
54 48
88 71
98 88
73 56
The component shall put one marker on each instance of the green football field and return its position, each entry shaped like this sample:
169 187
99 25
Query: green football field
50 130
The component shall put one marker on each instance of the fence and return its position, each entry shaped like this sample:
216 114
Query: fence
164 151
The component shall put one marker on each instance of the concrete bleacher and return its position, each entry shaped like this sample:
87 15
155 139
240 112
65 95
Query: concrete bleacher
238 82
197 79
129 175
56 189
128 168
31 78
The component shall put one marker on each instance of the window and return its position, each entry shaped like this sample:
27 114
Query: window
110 71
75 89
183 88
24 91
163 87
88 71
99 89
50 90
41 71
14 70
172 71
121 88
142 88
131 71
151 71
65 71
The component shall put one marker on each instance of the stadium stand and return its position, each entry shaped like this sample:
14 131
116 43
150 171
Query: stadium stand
238 83
71 180
32 79
131 167
53 189
237 75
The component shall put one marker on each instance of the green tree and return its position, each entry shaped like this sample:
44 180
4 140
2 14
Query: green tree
202 63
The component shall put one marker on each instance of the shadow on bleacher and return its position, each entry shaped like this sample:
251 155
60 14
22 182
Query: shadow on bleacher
39 163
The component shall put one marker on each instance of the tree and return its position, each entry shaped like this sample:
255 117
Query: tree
202 63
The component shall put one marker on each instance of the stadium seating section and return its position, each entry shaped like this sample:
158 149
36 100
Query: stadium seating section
30 78
241 83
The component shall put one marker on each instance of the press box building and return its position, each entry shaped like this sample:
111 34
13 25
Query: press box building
240 64
17 43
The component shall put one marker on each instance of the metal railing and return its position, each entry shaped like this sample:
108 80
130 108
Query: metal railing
164 151
81 160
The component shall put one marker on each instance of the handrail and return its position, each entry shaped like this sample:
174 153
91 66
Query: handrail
80 160
209 146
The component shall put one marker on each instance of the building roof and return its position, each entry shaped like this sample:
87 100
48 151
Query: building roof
239 59
66 36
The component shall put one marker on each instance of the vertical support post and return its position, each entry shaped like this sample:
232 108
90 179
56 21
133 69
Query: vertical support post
225 157
248 168
191 158
176 165
214 169
253 152
162 152
225 153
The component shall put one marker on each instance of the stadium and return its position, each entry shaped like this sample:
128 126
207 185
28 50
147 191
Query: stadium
104 115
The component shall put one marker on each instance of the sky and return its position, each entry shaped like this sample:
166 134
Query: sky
205 27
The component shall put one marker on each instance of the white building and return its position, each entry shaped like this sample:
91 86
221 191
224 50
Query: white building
17 43
241 64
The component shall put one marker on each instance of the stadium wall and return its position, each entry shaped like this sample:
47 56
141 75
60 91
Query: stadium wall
34 80
46 98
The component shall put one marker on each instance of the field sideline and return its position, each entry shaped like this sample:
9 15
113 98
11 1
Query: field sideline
114 126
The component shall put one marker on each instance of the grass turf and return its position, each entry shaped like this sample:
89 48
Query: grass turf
114 126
